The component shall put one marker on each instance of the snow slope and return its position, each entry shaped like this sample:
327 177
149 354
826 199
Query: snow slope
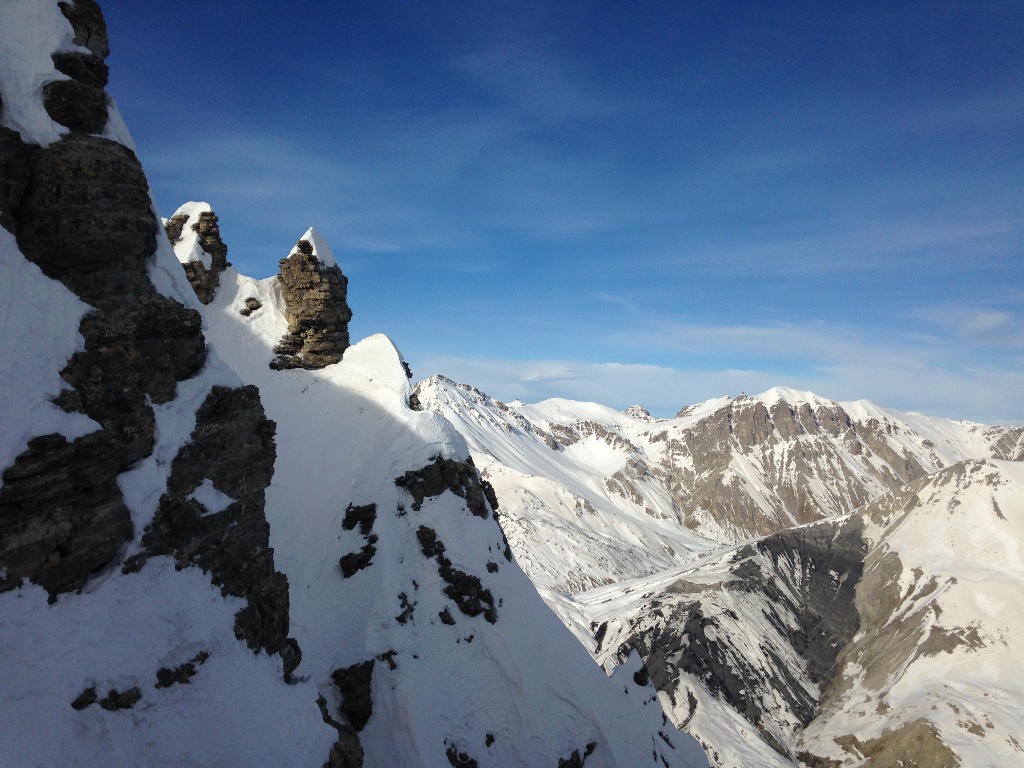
117 634
519 691
144 667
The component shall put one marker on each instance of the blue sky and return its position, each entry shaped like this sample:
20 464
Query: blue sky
653 202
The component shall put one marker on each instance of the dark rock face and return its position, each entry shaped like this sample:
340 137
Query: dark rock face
577 760
464 589
363 517
85 218
14 160
457 758
80 103
459 477
317 309
355 686
183 673
204 281
347 752
61 512
232 446
78 106
803 582
87 69
804 561
90 28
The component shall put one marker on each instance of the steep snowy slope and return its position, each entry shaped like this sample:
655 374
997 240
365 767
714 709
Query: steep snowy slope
401 578
105 381
159 603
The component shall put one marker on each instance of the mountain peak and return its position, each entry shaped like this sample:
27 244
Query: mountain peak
637 412
315 244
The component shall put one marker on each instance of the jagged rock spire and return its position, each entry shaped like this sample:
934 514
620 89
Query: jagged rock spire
195 236
315 295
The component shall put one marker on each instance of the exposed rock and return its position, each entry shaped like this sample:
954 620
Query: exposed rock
14 174
83 213
86 698
80 103
315 297
915 745
464 589
182 674
174 226
347 752
363 516
821 565
638 412
354 562
446 617
134 354
232 445
251 305
577 760
117 700
355 684
78 106
90 28
407 608
204 281
87 220
803 583
793 446
61 512
86 68
460 477
459 759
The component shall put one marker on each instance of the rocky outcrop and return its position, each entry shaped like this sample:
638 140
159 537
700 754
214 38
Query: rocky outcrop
232 448
315 296
86 220
80 209
798 586
85 217
14 154
800 451
459 477
80 103
61 513
204 279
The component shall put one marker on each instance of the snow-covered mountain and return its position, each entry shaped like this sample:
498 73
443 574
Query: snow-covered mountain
225 537
591 495
732 547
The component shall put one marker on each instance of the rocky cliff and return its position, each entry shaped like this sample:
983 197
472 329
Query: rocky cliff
161 429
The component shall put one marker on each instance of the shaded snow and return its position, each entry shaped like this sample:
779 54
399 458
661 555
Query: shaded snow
39 321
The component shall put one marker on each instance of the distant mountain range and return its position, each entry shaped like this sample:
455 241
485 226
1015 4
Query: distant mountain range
800 575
